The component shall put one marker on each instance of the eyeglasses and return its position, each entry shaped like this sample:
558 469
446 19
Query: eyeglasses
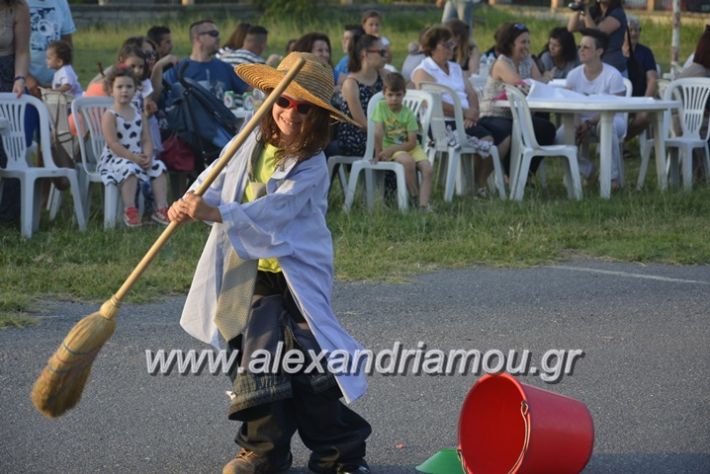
287 103
381 52
212 33
451 44
520 26
150 54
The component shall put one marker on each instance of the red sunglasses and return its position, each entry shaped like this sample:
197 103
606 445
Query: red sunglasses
301 107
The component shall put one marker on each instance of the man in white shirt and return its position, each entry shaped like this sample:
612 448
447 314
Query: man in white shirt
596 77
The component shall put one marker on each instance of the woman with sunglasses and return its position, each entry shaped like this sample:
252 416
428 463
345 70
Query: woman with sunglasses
438 44
264 281
367 58
609 17
512 66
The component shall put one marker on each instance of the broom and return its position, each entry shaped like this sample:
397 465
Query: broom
59 386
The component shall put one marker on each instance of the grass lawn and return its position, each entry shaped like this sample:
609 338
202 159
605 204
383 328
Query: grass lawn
647 226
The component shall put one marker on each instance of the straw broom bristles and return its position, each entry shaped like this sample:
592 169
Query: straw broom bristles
59 386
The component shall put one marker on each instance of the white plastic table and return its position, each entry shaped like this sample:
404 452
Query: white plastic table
606 107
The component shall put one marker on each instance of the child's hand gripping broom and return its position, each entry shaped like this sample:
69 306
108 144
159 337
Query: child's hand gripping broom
59 386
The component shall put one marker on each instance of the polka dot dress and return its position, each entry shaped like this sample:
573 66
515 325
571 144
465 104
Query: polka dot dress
115 169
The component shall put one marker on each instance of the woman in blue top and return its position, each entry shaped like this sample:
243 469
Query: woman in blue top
609 17
264 280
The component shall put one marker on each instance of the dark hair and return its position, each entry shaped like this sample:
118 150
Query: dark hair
461 32
197 23
506 35
314 136
567 44
290 44
353 27
133 50
369 14
305 43
433 36
394 82
63 50
156 33
596 11
119 70
601 39
359 44
702 50
257 30
236 39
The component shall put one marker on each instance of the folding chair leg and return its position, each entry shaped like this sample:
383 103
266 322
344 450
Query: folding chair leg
572 179
352 184
402 193
498 172
451 171
645 158
30 204
76 197
54 202
520 183
111 200
687 167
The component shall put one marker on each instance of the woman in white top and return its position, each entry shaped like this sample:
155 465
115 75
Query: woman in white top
438 44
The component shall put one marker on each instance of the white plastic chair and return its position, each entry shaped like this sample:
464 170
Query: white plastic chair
693 94
87 113
58 106
629 89
13 109
419 103
530 148
456 176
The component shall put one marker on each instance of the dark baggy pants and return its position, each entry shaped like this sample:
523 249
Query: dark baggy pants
275 406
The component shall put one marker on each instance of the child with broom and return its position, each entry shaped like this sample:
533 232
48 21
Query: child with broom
265 276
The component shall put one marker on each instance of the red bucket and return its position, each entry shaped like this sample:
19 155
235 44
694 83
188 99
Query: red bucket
509 427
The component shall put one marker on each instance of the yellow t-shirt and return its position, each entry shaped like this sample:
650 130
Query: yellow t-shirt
262 171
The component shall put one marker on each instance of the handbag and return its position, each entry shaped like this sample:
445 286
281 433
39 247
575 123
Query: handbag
177 155
60 140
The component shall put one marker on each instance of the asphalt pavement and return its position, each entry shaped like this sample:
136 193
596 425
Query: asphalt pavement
644 376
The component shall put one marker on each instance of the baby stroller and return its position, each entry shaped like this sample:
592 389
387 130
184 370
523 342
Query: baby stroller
197 118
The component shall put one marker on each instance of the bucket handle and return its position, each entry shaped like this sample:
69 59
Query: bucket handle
524 411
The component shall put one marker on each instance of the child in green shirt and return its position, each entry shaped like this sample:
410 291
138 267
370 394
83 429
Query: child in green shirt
396 138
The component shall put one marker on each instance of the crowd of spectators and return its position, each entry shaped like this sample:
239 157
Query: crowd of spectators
36 52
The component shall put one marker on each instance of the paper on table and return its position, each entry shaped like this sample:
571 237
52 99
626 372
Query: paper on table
542 91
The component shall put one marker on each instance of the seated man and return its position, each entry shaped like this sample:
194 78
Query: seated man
161 36
255 43
214 75
647 84
595 77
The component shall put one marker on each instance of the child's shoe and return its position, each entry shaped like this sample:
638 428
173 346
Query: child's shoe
130 217
161 216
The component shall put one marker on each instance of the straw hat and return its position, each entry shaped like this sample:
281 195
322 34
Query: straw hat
313 83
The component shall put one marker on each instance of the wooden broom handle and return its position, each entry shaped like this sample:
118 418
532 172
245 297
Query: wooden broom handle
110 308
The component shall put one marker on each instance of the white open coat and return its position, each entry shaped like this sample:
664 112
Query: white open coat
287 223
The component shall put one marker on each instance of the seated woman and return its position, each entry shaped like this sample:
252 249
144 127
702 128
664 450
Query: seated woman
438 44
467 54
315 43
367 58
560 54
512 66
